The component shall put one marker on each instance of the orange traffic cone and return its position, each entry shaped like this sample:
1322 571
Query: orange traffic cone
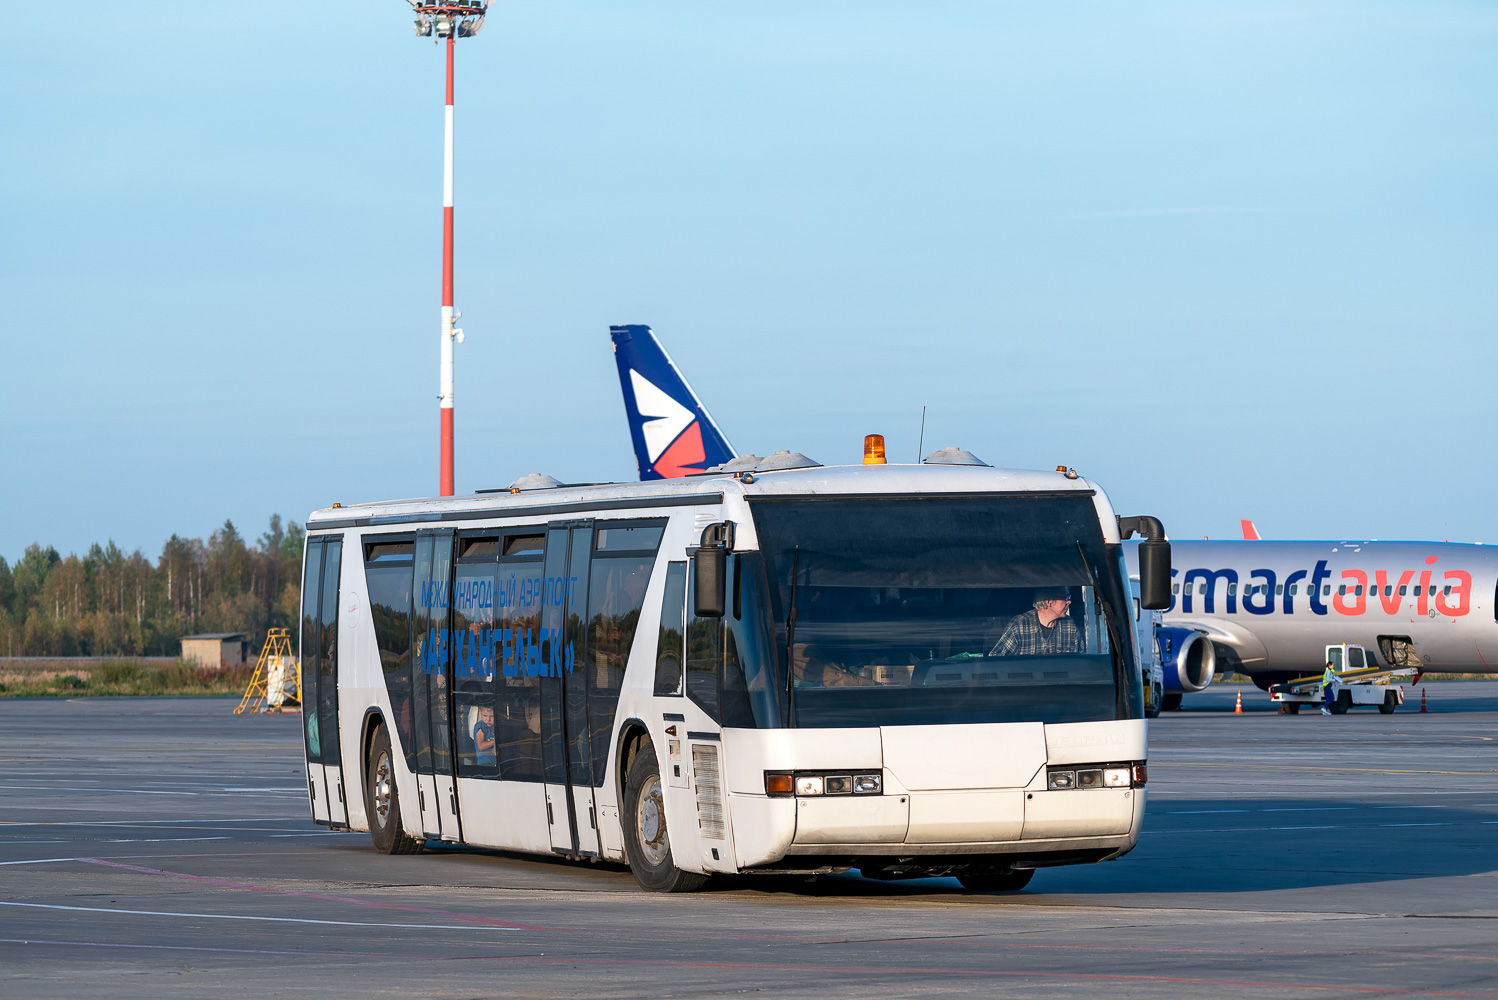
1239 709
1422 699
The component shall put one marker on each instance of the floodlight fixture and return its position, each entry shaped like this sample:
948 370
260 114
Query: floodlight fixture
449 19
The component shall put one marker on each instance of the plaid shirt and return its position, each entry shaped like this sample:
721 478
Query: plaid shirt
1025 636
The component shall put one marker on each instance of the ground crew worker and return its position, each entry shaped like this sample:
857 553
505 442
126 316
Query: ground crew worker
1330 683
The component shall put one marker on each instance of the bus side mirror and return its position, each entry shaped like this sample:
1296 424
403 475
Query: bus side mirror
1154 560
1154 574
710 569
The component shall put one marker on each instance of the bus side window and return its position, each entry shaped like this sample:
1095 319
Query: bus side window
702 657
388 575
517 656
668 650
616 596
474 701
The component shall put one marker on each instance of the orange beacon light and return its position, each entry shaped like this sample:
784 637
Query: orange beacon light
873 449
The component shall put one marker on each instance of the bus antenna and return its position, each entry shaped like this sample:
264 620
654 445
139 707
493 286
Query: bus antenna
921 444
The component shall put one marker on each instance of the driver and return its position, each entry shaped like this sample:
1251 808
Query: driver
1045 629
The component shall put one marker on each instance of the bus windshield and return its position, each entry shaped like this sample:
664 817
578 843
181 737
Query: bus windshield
942 610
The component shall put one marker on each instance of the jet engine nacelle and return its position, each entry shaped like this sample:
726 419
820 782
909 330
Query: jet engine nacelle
1188 658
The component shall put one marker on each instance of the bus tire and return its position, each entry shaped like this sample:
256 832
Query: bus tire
1391 702
646 844
382 801
1011 880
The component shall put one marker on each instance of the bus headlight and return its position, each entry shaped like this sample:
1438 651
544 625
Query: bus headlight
810 784
807 783
804 783
1096 776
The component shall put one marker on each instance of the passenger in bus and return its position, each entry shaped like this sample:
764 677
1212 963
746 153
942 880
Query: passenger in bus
1046 629
483 738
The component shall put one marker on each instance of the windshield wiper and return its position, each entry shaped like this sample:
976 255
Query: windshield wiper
790 645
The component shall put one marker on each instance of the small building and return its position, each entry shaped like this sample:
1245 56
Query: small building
216 649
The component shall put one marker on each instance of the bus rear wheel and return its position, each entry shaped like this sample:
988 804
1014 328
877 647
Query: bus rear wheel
646 843
382 802
1001 880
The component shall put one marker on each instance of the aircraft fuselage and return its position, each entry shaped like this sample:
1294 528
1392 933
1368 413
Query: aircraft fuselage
1273 606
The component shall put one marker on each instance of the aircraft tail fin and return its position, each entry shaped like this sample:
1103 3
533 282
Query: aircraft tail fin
1250 533
672 432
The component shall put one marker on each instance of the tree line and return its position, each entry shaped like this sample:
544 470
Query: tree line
108 603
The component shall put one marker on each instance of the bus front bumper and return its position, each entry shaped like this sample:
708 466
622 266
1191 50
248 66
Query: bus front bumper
1027 826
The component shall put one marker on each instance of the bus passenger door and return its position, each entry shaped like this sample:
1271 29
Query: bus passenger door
327 682
311 639
431 686
573 657
565 750
319 675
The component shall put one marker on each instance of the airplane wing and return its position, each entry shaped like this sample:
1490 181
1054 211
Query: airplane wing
673 434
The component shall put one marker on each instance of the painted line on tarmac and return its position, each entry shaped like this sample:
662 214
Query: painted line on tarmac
205 790
96 789
230 884
1204 812
1308 767
751 967
1155 949
1308 809
8 843
159 840
277 920
158 822
138 857
320 833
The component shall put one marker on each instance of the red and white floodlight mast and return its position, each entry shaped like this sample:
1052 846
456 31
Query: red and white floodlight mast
451 20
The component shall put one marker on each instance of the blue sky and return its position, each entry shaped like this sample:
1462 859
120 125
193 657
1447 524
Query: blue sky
1230 260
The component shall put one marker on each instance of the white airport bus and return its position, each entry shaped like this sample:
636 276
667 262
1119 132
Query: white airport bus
765 670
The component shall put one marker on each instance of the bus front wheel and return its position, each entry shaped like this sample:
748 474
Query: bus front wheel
1012 880
646 844
382 801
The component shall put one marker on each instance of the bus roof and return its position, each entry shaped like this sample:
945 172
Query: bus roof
821 480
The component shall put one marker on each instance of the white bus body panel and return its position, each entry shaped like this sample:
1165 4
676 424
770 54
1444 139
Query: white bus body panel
999 755
507 814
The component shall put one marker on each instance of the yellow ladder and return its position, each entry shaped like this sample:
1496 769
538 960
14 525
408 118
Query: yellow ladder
276 651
